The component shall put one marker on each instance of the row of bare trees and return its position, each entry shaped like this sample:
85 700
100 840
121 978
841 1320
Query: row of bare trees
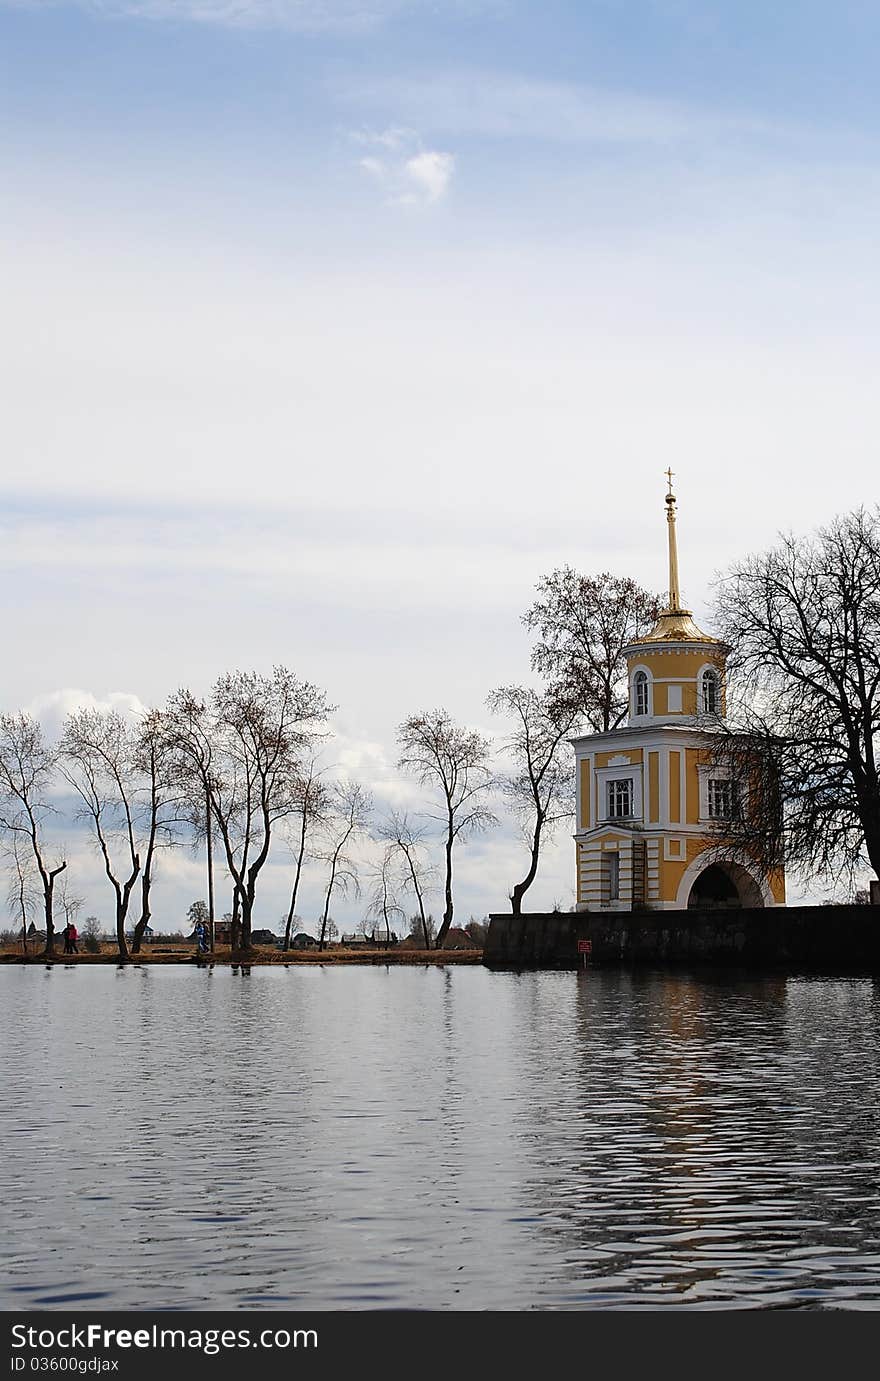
225 768
240 767
233 771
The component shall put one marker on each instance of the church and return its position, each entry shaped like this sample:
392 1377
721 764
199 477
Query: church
651 796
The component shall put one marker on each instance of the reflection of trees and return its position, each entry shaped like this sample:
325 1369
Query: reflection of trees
682 1147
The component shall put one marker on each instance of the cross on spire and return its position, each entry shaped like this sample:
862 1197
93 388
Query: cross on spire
674 592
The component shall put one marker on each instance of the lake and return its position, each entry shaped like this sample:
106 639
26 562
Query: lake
371 1138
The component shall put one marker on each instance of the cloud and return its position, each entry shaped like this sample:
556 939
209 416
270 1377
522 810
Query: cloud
499 105
298 15
391 138
409 174
432 172
53 708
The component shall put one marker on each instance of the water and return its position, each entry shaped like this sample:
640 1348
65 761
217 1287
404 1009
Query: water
417 1137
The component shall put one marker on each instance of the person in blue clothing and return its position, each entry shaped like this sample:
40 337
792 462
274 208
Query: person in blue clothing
202 937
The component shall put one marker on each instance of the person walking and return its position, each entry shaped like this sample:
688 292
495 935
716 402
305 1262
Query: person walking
72 937
66 933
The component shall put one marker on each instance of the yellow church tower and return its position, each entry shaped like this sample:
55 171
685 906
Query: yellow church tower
651 800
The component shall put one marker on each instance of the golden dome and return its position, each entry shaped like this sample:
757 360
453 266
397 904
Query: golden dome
675 626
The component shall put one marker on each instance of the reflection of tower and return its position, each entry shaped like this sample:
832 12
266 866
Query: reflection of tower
652 796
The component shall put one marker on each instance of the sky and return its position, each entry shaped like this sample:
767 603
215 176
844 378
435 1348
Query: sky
329 326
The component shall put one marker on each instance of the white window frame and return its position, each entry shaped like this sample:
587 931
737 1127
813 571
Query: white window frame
618 789
712 793
707 673
648 712
618 772
709 772
641 694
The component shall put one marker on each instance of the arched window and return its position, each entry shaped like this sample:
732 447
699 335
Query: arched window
710 698
640 692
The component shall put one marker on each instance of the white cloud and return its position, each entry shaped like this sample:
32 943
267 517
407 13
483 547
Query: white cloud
409 174
431 172
298 15
53 708
392 138
499 105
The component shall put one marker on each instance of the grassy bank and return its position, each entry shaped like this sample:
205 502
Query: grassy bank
185 954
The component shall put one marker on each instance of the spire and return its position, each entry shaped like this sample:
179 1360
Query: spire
674 623
674 592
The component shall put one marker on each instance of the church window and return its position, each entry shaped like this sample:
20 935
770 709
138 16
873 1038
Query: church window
722 798
620 797
640 686
710 695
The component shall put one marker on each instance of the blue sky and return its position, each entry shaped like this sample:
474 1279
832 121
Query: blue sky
338 324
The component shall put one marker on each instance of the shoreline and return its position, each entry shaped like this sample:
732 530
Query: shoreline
255 958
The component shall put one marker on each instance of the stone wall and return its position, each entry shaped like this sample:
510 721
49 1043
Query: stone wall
832 938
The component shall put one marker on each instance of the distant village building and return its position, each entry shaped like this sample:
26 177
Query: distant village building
652 796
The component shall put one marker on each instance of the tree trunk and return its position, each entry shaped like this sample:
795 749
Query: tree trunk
289 924
121 942
235 923
49 900
521 888
872 842
146 884
210 851
327 904
448 910
295 889
863 772
50 921
418 891
244 939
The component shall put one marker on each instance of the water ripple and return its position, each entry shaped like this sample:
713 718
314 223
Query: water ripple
360 1139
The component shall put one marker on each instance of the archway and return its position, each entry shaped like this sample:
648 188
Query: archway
723 886
752 888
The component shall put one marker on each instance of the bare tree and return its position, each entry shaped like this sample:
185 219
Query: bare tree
27 769
197 914
347 818
804 623
540 786
452 760
162 806
583 624
70 903
98 761
478 931
22 893
383 903
186 725
409 841
312 808
423 930
243 749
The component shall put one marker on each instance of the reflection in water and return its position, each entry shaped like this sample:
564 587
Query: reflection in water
374 1138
